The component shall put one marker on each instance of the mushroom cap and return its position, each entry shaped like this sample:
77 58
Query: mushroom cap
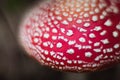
77 35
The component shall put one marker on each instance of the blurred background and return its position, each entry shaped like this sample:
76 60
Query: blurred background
16 65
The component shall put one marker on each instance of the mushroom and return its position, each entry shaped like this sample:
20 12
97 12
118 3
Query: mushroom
73 35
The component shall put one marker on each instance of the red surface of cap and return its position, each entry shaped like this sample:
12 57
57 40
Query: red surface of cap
73 35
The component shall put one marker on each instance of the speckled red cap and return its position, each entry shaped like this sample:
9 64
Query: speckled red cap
73 35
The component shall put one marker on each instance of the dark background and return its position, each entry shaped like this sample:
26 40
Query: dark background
16 65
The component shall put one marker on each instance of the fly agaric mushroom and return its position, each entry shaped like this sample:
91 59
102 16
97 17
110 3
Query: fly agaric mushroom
73 35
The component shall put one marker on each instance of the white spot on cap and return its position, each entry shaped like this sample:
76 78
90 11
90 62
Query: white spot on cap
90 42
54 37
109 50
105 41
50 14
117 53
69 61
51 45
104 13
45 44
65 14
82 39
115 34
77 56
52 18
91 12
65 22
56 62
78 46
115 9
36 34
97 28
47 29
86 24
79 21
95 18
80 62
69 33
64 58
83 30
87 47
60 68
62 30
94 65
41 24
46 35
97 50
118 26
52 53
116 46
63 38
108 23
75 15
108 9
36 40
48 59
86 15
70 51
102 16
105 57
103 32
78 10
92 35
93 5
61 63
74 61
98 57
97 44
59 45
88 54
97 10
55 22
57 12
86 4
58 57
46 52
104 51
71 42
69 19
59 17
54 30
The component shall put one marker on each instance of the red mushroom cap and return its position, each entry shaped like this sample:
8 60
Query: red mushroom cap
73 35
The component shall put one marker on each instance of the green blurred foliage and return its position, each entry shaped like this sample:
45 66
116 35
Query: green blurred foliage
14 4
17 4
